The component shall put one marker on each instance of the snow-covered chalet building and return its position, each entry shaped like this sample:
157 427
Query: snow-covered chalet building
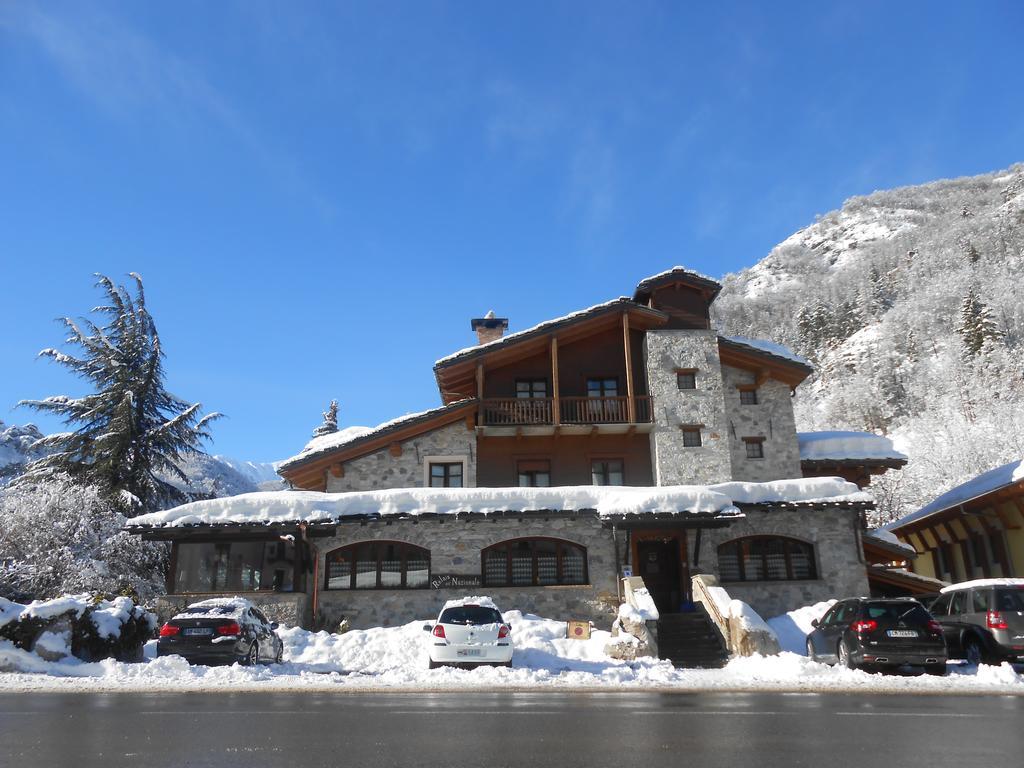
627 437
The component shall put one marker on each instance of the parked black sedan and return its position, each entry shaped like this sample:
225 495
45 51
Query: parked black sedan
879 633
221 631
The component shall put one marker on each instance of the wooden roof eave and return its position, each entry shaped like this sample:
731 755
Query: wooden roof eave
974 506
788 372
458 376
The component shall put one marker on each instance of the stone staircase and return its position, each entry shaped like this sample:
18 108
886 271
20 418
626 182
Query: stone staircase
691 639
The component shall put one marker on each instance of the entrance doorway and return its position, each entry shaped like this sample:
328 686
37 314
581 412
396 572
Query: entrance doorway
661 563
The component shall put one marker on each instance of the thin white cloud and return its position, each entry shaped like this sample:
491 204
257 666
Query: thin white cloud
127 74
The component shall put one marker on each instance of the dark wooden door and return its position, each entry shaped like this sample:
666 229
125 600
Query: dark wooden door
658 565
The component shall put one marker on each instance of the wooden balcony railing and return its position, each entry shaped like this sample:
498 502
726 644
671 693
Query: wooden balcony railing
513 411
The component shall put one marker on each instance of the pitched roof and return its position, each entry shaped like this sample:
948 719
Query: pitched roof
319 449
982 485
614 306
675 275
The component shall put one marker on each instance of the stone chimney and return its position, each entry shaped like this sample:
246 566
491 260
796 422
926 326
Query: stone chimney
489 328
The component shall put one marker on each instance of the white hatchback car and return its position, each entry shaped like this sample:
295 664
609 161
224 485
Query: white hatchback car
470 631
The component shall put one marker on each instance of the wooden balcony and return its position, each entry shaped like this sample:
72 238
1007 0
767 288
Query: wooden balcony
570 411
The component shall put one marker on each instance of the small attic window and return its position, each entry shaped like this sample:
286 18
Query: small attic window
748 395
686 378
691 436
755 447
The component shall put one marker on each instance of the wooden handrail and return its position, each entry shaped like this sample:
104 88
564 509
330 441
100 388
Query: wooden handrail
521 411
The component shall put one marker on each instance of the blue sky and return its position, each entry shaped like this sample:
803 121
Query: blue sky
320 196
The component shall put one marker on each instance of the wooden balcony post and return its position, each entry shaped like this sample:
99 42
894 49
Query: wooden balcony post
480 392
556 407
630 400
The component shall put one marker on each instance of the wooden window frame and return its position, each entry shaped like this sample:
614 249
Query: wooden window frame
605 460
693 429
532 382
406 550
531 472
689 372
560 546
759 442
602 380
750 391
788 543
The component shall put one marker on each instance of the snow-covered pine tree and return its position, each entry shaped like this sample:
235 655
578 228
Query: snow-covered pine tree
330 423
977 326
130 430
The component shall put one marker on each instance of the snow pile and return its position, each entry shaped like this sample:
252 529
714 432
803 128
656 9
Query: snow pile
984 583
793 628
644 604
749 619
396 658
770 347
836 446
313 506
985 483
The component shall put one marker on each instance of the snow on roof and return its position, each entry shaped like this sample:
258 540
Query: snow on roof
313 506
823 446
770 347
675 270
984 583
889 538
540 327
983 484
480 600
332 442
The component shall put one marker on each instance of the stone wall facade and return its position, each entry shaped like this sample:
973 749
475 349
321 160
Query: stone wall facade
835 534
382 469
455 548
674 463
293 609
771 418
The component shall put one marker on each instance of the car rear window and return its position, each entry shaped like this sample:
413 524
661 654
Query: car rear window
1010 599
470 614
911 613
219 610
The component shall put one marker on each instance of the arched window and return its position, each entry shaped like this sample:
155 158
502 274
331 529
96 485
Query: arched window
378 565
766 558
535 562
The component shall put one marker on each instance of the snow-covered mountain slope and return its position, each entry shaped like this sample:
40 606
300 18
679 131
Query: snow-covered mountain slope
209 476
874 294
16 448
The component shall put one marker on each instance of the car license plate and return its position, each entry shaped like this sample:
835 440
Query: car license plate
469 652
197 631
902 633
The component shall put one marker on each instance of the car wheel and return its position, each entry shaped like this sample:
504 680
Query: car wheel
845 659
279 659
810 650
252 657
935 669
973 651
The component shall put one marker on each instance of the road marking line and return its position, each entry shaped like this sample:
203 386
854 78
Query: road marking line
907 714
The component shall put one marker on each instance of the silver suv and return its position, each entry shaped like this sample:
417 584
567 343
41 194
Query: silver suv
983 621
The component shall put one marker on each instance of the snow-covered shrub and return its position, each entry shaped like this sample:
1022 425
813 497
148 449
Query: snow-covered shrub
59 537
86 626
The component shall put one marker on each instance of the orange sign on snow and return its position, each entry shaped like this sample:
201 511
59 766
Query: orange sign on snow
577 630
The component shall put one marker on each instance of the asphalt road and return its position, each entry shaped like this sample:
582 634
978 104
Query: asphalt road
493 730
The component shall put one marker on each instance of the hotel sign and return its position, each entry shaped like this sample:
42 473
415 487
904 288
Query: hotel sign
455 580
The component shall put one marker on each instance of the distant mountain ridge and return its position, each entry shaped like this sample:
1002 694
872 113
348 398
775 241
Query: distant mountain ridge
875 295
209 476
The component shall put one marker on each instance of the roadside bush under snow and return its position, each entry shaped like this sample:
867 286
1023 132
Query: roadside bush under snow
87 628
